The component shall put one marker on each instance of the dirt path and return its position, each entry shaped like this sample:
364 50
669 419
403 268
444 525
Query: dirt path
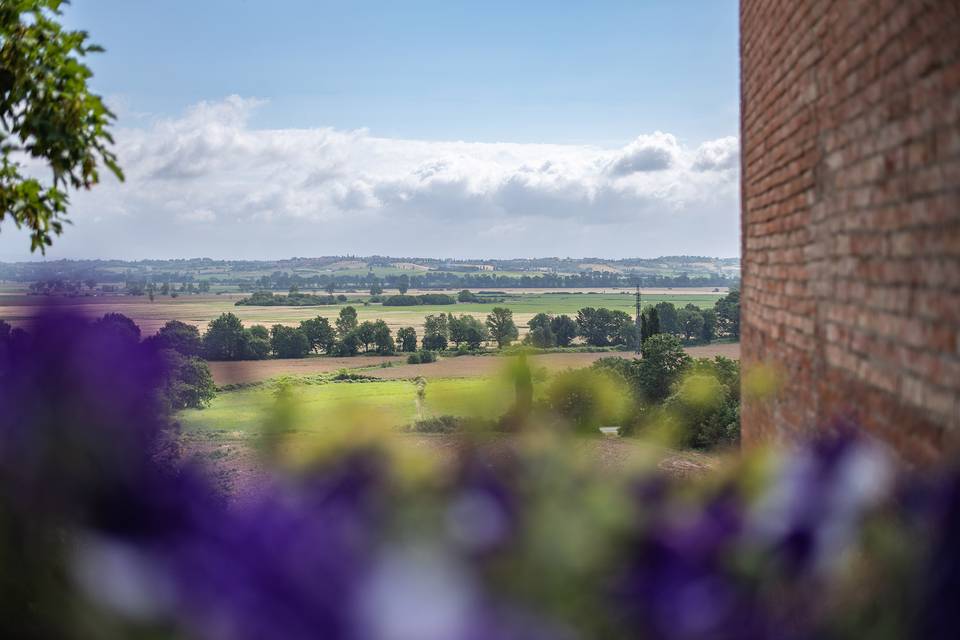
236 467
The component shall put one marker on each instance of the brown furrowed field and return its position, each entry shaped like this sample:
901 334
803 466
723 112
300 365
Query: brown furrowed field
225 373
243 372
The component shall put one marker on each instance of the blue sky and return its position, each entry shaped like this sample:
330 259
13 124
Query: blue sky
379 105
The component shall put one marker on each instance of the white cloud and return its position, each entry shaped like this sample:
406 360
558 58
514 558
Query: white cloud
273 193
718 155
647 153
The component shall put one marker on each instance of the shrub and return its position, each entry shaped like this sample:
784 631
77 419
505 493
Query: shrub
589 399
411 301
439 424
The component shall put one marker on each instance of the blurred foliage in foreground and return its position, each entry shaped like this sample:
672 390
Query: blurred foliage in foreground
104 533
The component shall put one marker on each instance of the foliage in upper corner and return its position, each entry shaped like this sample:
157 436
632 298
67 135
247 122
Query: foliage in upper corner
49 116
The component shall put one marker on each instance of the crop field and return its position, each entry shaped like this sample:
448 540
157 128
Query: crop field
201 309
225 373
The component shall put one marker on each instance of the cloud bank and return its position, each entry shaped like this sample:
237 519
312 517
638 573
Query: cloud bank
208 184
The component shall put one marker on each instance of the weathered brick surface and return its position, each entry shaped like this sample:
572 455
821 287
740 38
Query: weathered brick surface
850 130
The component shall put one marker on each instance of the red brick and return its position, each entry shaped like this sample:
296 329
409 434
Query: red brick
850 127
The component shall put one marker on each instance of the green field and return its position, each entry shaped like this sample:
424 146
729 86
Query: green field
315 407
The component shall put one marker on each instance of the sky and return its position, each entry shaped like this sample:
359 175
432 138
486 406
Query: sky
252 129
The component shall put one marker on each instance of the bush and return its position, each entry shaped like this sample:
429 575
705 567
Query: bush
411 301
589 399
439 424
424 356
189 383
268 299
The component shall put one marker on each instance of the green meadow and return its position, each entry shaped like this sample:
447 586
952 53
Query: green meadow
312 407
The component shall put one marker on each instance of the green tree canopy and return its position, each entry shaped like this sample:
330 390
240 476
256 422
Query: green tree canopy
347 321
564 330
47 114
407 337
181 337
288 342
320 334
436 331
502 329
382 338
224 339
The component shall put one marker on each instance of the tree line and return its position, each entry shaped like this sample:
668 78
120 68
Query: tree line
601 327
226 338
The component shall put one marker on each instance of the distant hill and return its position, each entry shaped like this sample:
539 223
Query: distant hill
361 271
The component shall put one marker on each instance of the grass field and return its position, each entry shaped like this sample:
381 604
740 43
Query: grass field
316 407
199 310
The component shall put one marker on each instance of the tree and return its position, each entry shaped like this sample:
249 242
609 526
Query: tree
669 320
189 383
664 360
709 330
467 330
629 335
403 284
564 330
435 332
224 339
654 320
382 338
346 321
49 115
287 342
467 296
366 333
690 322
181 337
256 343
601 327
407 337
649 323
539 321
204 286
502 328
330 288
541 333
320 334
118 326
376 289
728 314
349 345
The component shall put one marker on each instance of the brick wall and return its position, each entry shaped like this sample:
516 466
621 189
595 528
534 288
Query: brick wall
850 132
